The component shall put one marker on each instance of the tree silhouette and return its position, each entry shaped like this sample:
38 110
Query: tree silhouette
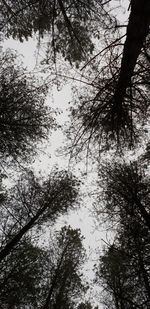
123 268
65 281
113 108
21 280
126 190
111 112
137 31
32 203
66 23
24 119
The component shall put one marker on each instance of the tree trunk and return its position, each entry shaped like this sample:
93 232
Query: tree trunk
14 241
144 274
137 30
54 281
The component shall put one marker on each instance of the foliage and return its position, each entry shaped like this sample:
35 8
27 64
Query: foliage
86 305
96 120
29 274
124 266
114 115
22 275
121 100
65 282
126 191
31 202
67 23
25 119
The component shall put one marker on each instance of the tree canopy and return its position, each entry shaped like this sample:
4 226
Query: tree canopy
44 278
25 119
104 48
32 203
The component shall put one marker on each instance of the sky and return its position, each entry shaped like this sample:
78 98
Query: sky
49 157
95 235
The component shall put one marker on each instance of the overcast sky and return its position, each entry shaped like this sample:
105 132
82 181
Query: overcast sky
82 218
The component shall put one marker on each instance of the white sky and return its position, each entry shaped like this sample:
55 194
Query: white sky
82 218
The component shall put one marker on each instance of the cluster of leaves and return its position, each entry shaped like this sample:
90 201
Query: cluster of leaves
113 114
24 118
124 268
19 284
121 99
30 202
43 278
115 110
66 280
32 276
68 23
27 270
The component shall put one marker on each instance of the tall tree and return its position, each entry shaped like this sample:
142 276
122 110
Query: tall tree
66 23
94 114
137 31
22 276
44 278
124 266
24 119
32 202
73 25
126 191
111 110
66 281
123 269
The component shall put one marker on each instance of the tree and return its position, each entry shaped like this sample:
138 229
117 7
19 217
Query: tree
137 31
66 23
44 277
112 113
126 191
66 280
123 269
32 203
86 305
22 279
24 118
146 155
106 112
94 114
124 266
